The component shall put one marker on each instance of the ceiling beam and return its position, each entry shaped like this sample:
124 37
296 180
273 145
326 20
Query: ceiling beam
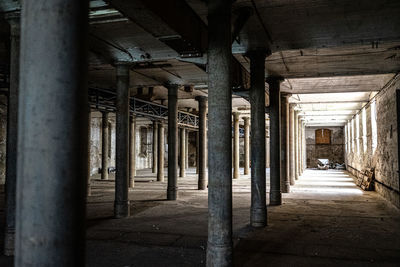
168 21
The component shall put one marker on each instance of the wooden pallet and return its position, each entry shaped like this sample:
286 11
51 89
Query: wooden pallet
366 178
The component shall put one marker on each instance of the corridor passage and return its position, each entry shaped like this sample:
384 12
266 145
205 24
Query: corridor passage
326 221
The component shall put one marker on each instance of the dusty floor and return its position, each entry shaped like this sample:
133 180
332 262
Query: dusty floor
325 221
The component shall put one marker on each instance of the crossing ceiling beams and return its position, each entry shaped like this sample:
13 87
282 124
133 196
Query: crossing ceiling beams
174 23
320 23
329 109
347 60
336 84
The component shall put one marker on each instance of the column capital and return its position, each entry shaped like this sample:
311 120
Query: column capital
236 115
170 85
246 120
13 18
258 53
201 98
122 68
274 79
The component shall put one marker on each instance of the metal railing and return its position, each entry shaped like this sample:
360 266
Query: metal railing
104 100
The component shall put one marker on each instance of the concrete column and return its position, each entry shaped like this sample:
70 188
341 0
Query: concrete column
267 142
187 150
172 189
132 151
12 134
247 145
292 158
89 139
275 177
202 154
104 146
236 155
182 152
219 245
296 144
155 146
285 180
304 147
197 152
52 134
160 150
121 204
258 213
301 147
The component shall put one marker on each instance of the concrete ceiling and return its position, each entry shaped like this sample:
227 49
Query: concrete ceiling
329 109
319 46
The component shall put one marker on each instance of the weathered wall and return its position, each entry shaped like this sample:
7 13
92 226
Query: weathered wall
3 137
334 152
144 148
385 157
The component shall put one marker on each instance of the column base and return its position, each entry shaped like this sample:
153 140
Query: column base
219 255
121 209
131 183
202 185
9 242
258 217
172 193
286 188
275 198
88 190
160 178
236 175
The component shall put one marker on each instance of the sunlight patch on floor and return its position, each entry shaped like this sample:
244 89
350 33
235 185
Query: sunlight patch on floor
326 182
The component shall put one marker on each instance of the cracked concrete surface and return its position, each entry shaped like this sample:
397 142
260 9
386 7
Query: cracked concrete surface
325 221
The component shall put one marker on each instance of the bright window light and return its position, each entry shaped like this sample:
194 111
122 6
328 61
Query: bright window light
358 133
374 126
364 129
352 135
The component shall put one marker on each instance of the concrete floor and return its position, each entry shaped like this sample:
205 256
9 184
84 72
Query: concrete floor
325 221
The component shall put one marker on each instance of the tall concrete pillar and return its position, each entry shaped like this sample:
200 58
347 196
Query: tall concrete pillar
104 145
285 180
197 152
258 213
236 154
155 146
52 158
160 150
202 147
121 204
304 146
172 189
182 152
275 144
301 146
132 151
296 143
247 145
267 142
187 149
219 245
12 134
89 139
292 158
